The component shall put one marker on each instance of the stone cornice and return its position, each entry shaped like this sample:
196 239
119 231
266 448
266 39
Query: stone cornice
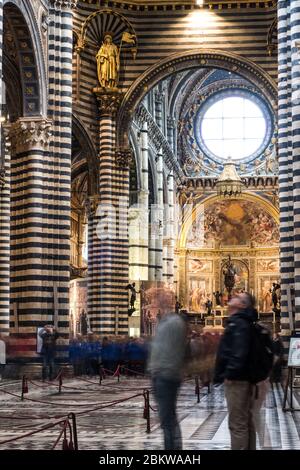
29 133
159 141
203 184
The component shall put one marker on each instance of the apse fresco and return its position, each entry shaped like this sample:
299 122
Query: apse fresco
233 223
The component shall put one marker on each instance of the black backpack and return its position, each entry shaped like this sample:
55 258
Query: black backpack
261 354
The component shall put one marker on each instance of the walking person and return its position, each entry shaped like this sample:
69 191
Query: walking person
49 336
235 364
167 357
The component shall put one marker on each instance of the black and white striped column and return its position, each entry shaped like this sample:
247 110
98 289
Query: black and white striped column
285 162
295 56
108 229
60 155
4 205
32 232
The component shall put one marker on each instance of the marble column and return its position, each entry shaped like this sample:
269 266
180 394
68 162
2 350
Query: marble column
171 132
169 236
60 55
139 218
159 109
289 162
34 234
108 226
159 218
4 206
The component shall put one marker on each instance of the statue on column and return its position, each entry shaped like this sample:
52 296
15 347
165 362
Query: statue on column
133 291
229 276
108 63
275 291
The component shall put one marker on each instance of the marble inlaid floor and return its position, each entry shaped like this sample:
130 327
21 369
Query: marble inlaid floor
203 425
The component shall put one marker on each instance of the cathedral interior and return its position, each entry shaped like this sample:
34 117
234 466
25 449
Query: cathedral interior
147 149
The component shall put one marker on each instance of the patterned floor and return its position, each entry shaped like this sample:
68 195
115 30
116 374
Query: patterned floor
203 425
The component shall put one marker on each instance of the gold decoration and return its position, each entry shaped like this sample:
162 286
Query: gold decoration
108 63
229 184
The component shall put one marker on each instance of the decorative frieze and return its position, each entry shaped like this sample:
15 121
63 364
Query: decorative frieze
29 133
64 4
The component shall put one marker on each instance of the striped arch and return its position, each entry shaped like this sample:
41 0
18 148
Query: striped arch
27 41
190 60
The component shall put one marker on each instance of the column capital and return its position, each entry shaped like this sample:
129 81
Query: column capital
64 4
123 157
28 133
92 203
109 100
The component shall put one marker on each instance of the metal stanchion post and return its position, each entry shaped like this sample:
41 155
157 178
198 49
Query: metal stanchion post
147 409
24 387
74 427
60 382
197 389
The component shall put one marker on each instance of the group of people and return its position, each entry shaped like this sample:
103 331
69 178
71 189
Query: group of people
87 354
167 356
245 379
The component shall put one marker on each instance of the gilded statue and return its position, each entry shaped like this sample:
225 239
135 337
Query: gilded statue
108 63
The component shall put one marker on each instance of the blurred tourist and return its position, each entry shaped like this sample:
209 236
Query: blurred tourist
167 356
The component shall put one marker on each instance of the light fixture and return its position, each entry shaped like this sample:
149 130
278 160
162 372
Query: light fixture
229 184
200 3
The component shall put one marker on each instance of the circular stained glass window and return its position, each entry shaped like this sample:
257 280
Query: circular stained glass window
236 125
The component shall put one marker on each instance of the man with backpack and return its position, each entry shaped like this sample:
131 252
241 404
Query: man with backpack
244 359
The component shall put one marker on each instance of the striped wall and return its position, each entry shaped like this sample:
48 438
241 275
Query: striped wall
4 212
108 238
289 158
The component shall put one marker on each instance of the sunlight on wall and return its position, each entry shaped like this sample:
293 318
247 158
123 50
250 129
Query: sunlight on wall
198 22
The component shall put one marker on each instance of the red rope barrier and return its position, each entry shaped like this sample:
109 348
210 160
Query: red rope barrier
31 433
64 427
134 371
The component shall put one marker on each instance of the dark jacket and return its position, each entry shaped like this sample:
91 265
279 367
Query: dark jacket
232 360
